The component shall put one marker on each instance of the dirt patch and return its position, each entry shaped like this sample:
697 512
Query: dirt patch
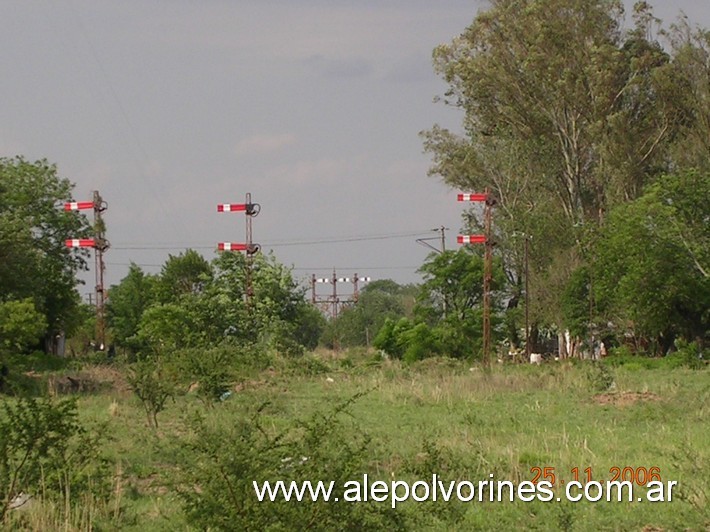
90 380
624 398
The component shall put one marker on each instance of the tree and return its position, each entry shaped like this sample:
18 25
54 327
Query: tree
380 300
565 115
168 327
650 270
20 324
34 262
129 300
451 300
691 62
183 275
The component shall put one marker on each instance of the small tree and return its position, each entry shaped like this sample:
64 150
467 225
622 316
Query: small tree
46 452
21 325
652 265
150 384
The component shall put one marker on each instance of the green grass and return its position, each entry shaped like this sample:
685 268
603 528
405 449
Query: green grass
442 417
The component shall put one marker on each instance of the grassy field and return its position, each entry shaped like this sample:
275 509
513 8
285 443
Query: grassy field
409 422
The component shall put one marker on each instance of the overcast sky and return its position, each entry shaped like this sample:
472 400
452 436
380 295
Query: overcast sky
312 106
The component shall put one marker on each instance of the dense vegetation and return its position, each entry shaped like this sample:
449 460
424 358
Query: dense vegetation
595 141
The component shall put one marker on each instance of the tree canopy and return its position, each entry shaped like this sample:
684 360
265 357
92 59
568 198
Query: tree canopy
35 265
569 115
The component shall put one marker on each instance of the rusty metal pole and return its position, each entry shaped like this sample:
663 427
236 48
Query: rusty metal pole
249 258
356 292
334 282
336 335
313 288
101 245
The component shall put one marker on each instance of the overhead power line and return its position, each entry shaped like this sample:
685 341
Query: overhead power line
275 244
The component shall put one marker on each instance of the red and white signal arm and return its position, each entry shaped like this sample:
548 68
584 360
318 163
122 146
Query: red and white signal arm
471 239
231 246
78 205
231 207
80 243
472 197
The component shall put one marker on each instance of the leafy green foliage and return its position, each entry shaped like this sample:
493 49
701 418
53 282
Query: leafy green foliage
20 324
599 376
34 262
129 299
566 116
451 303
182 276
211 369
359 324
389 338
323 447
167 327
152 385
46 452
193 303
651 265
576 302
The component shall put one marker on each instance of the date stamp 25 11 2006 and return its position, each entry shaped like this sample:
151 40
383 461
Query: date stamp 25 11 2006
636 475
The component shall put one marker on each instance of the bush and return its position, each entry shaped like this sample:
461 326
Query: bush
323 447
420 342
21 325
46 453
599 376
151 385
688 354
211 369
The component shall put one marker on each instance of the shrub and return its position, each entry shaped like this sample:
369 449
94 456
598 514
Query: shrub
688 354
599 376
46 453
420 343
21 325
149 382
323 447
211 369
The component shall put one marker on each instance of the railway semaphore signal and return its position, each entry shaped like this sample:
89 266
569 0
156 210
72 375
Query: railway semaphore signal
250 210
489 201
100 245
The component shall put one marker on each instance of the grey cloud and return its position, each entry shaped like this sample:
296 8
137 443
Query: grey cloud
411 69
339 68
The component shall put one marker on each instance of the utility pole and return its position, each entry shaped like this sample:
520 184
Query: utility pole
526 259
100 245
489 202
441 238
250 210
527 300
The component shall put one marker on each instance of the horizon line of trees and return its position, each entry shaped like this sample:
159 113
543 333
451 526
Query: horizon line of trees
595 140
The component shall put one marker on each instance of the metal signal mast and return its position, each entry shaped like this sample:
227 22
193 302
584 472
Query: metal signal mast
100 245
333 302
489 202
250 210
